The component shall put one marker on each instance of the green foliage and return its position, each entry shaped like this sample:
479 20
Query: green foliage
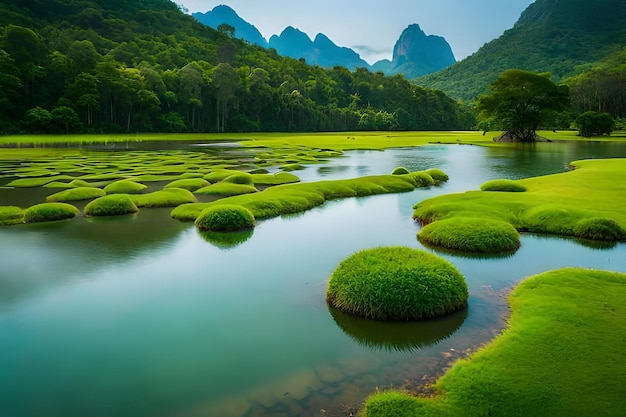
241 178
437 175
400 171
47 212
191 184
169 197
565 330
124 187
225 218
598 228
11 215
274 179
473 235
520 102
592 123
226 189
111 205
76 194
510 186
220 175
396 283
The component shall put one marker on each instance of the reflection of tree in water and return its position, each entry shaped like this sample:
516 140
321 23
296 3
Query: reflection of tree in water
398 336
227 240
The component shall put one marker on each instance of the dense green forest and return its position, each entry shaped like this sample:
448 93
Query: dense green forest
144 65
564 38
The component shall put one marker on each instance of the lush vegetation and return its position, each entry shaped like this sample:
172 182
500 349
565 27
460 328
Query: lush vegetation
144 65
396 283
474 235
47 212
225 218
111 205
76 194
560 356
503 185
592 123
585 203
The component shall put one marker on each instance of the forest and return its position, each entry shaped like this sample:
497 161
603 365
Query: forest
145 66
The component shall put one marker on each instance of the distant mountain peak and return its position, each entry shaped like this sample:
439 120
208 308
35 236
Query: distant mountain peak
224 14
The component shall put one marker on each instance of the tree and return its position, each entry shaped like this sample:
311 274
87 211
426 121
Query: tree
520 102
592 123
64 119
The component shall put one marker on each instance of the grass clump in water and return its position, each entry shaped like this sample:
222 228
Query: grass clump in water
124 187
561 356
219 175
76 194
225 218
503 185
400 171
226 189
11 215
438 175
46 212
241 178
170 197
191 184
274 179
599 228
396 283
111 205
473 235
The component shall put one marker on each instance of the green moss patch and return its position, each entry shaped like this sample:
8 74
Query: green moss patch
599 228
225 218
170 197
274 179
111 205
509 186
396 283
124 187
400 171
191 184
76 194
37 182
226 189
219 175
11 215
437 174
46 212
241 178
562 355
473 235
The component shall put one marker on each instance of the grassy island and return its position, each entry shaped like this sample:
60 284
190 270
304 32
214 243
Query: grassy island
396 283
562 355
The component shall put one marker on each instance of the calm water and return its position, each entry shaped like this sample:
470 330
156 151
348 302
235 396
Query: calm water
142 316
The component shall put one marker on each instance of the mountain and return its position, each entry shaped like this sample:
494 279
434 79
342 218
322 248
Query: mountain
562 37
322 51
224 14
416 54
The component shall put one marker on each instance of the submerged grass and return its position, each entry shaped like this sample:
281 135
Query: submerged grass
586 202
561 355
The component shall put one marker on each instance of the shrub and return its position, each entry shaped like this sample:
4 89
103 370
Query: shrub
599 228
503 185
46 212
400 171
191 184
476 235
592 123
11 215
124 187
111 205
225 218
241 178
396 283
76 194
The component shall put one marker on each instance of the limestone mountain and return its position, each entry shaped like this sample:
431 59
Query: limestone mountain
223 14
416 54
564 38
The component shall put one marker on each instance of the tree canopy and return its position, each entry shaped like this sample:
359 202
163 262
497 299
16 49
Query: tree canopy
520 102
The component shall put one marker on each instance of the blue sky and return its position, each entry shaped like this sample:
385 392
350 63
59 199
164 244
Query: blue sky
371 27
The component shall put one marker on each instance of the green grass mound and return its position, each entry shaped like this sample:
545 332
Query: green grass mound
473 235
598 228
400 171
421 179
562 355
274 179
241 178
170 197
124 187
11 215
47 212
225 218
396 283
226 189
291 167
111 205
438 175
76 194
503 185
37 182
219 175
191 184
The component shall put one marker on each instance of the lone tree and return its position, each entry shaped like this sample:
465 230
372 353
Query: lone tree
592 123
520 102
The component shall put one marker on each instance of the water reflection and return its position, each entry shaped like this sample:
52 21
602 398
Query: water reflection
229 240
398 336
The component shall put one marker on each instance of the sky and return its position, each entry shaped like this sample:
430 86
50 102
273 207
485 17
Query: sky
372 27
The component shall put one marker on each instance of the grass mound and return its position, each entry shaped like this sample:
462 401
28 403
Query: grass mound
598 228
396 283
274 179
400 171
473 235
503 185
47 212
241 178
190 184
226 189
11 215
562 355
437 174
170 197
124 187
111 205
76 194
219 175
225 218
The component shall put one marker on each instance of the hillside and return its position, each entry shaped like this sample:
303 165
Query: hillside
144 65
560 37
